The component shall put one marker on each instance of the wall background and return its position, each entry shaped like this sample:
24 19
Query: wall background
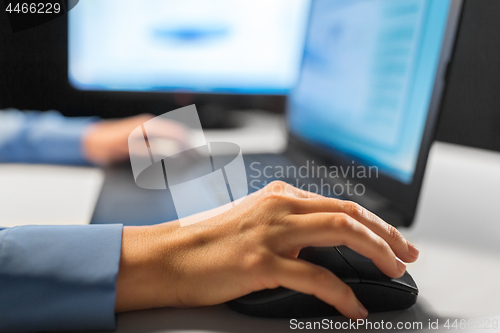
33 66
470 113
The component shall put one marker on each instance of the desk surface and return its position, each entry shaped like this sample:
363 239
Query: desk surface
457 230
47 194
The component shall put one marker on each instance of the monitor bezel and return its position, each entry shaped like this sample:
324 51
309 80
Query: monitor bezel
401 196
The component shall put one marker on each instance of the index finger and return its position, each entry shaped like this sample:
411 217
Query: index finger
401 247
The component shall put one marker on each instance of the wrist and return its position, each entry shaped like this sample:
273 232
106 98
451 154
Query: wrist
90 145
142 281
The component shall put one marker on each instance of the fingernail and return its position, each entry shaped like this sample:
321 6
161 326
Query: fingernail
362 311
412 249
401 265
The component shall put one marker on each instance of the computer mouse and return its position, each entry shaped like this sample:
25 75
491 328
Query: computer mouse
375 290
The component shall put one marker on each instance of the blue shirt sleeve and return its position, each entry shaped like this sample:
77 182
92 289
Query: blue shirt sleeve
59 277
41 137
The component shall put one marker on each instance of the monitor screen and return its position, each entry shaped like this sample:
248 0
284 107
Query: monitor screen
214 46
367 79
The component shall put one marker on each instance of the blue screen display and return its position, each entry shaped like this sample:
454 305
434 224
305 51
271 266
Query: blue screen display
221 46
367 79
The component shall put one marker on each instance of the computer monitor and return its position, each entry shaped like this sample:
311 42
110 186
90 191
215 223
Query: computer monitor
367 79
199 46
370 87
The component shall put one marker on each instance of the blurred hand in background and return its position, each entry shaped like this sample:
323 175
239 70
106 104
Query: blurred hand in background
107 141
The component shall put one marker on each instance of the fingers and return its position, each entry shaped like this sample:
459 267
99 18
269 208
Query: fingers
310 279
167 129
321 221
401 247
333 229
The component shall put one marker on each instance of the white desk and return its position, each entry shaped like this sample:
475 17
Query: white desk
47 194
457 229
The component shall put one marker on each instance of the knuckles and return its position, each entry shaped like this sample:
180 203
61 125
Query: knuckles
382 246
354 209
393 233
342 222
322 277
345 294
276 194
336 223
276 187
273 197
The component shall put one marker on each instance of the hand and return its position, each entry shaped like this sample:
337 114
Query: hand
254 246
107 142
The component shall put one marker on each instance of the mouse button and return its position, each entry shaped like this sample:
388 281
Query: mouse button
407 281
365 268
370 273
331 259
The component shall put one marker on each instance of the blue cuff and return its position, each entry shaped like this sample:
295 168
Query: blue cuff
60 139
59 277
43 137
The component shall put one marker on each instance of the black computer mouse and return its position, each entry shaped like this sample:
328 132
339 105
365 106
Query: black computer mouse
374 289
